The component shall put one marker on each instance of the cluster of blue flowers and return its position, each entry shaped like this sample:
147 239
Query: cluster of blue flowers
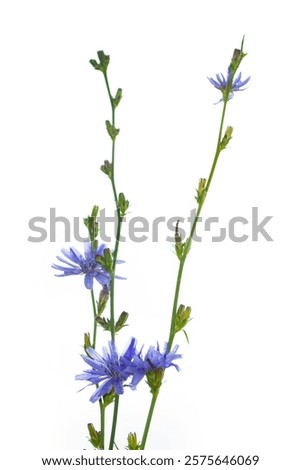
110 370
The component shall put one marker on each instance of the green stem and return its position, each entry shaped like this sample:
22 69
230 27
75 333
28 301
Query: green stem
148 420
192 231
115 255
101 405
114 422
119 219
175 304
94 317
217 152
102 423
182 264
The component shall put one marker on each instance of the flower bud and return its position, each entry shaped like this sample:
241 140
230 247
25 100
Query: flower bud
182 317
106 168
133 443
237 57
123 204
95 437
87 341
121 322
106 260
104 322
103 62
112 131
201 191
117 98
102 300
179 246
92 226
227 137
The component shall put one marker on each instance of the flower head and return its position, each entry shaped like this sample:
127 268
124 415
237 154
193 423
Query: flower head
109 370
153 360
86 264
228 85
162 360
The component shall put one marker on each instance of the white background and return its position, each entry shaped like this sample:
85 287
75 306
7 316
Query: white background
239 387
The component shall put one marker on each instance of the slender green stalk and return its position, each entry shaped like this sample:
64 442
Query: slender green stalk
148 420
181 268
102 422
217 152
192 231
119 219
115 254
101 404
94 319
114 422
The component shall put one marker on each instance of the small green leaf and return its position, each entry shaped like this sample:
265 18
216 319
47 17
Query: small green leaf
186 336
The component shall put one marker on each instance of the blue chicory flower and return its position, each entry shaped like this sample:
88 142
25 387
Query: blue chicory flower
154 359
86 264
109 370
222 84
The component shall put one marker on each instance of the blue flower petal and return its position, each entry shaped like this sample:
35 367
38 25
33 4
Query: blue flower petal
222 84
89 281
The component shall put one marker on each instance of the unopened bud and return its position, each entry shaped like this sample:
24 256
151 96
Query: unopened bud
123 204
117 98
112 130
87 341
106 260
227 137
182 317
133 443
104 322
102 300
92 226
237 57
179 246
106 168
201 191
95 437
103 62
121 322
